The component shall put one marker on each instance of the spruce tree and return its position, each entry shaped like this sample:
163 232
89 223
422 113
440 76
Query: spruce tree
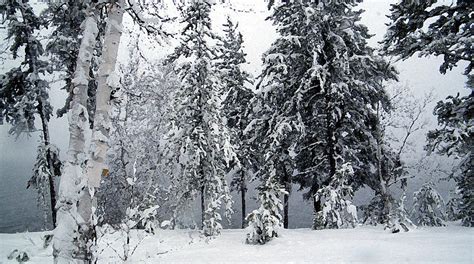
265 222
66 18
272 130
428 206
198 143
337 208
235 105
337 97
432 28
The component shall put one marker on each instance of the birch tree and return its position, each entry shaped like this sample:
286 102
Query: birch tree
71 243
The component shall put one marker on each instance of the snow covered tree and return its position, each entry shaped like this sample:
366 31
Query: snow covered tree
66 18
136 132
452 209
235 105
396 124
266 220
455 138
198 143
272 129
336 95
75 237
337 208
428 206
432 28
71 237
24 94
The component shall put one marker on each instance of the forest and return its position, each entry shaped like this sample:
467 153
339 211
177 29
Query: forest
178 144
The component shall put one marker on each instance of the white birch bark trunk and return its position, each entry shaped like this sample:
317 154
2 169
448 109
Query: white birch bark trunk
97 166
68 245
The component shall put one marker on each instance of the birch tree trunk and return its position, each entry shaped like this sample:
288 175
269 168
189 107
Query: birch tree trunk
97 165
69 245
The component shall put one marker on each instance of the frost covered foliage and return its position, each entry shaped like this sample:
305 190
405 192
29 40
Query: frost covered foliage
452 209
23 91
337 208
44 173
198 147
433 28
392 213
428 206
399 218
135 138
455 138
264 223
235 105
330 82
65 17
138 214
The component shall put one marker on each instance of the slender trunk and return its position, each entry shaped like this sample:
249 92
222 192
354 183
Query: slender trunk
97 166
287 183
46 140
383 184
285 211
203 208
243 191
316 205
70 245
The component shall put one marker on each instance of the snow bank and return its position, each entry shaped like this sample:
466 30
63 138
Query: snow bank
451 244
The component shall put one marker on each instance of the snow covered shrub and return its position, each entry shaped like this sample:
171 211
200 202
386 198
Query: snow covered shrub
395 220
399 217
452 209
428 206
137 216
373 213
263 223
20 256
337 209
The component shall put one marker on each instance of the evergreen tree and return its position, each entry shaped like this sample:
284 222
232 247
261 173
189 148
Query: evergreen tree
428 206
235 104
198 143
24 94
452 209
456 138
266 220
66 18
272 129
337 97
432 28
337 208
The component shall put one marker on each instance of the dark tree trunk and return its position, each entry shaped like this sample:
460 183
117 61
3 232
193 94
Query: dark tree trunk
285 211
316 205
46 139
243 191
203 207
286 197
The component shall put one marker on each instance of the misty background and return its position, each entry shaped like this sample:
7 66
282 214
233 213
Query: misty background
18 206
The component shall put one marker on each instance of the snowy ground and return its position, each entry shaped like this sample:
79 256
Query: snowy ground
453 244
